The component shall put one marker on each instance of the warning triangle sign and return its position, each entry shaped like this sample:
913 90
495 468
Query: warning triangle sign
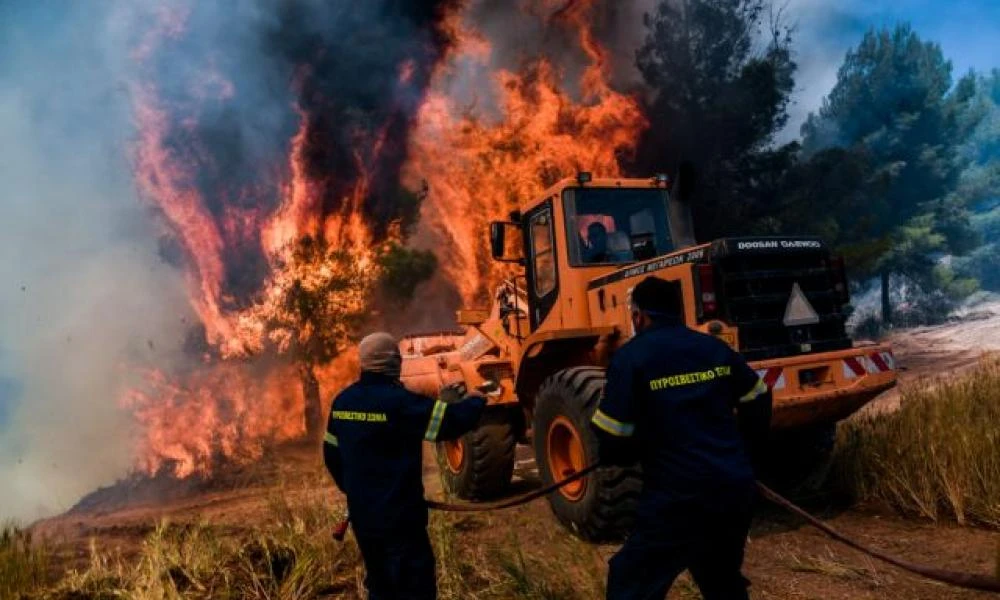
799 311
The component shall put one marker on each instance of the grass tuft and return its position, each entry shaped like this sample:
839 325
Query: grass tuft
291 557
937 457
563 568
828 565
24 562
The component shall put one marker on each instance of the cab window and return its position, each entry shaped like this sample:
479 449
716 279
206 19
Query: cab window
543 253
616 225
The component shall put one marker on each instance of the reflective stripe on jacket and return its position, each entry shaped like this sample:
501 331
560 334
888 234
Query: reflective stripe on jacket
374 446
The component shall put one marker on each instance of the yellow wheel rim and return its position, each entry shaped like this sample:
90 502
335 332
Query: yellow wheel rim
566 456
454 455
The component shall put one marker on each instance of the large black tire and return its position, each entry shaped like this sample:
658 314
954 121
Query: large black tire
486 465
604 508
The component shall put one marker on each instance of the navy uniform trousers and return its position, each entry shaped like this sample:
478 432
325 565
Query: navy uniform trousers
706 537
399 566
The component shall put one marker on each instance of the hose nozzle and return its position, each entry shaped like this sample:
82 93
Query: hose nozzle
341 529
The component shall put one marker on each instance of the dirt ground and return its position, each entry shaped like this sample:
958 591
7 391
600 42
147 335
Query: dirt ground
925 353
785 558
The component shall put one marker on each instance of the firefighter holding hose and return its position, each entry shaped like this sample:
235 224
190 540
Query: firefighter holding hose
373 449
688 407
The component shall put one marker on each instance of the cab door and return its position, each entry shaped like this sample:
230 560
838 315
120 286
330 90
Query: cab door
542 268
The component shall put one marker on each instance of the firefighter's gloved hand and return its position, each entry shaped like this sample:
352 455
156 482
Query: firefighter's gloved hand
462 414
453 392
489 388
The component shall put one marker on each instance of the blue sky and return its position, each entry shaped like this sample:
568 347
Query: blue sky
968 32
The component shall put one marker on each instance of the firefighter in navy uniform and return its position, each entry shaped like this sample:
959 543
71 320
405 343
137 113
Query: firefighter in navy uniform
373 450
692 412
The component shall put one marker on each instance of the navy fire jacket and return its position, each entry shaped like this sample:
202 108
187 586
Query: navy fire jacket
672 393
373 449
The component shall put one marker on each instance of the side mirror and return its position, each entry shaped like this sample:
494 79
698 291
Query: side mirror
498 242
498 238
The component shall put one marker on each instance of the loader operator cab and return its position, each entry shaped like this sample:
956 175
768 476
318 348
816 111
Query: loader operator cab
614 226
582 228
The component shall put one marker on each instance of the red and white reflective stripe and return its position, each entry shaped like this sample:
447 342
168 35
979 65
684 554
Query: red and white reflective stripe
853 367
884 361
875 362
774 377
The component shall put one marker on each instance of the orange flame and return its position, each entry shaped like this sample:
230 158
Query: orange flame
161 175
243 412
244 395
231 408
479 170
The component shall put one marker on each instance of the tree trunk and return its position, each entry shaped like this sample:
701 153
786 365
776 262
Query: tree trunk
886 304
313 407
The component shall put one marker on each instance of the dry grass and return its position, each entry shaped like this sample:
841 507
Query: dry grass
826 563
291 555
564 569
938 457
23 562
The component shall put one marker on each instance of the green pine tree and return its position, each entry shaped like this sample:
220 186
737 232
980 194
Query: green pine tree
719 94
895 112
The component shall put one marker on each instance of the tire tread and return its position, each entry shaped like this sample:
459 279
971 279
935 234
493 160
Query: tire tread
612 515
490 460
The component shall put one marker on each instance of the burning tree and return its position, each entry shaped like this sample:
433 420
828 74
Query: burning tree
270 155
320 309
328 301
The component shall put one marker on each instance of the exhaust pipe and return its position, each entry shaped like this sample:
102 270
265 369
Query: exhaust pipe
679 209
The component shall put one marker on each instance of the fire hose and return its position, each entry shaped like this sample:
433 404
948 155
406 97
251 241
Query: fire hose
341 530
973 581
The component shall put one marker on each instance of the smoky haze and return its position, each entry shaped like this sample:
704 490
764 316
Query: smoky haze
82 290
92 283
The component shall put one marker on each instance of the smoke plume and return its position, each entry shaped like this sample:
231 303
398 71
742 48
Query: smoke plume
82 290
161 162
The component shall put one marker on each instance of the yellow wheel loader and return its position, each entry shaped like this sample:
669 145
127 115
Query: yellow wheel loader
542 348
